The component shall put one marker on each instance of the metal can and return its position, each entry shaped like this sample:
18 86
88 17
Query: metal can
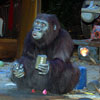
41 59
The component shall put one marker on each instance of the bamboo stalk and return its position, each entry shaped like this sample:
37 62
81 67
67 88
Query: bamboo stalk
92 59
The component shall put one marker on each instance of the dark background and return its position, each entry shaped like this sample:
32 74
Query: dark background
68 13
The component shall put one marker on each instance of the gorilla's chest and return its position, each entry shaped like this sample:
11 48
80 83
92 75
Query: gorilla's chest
48 51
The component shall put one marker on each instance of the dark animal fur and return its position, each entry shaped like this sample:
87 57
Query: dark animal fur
57 45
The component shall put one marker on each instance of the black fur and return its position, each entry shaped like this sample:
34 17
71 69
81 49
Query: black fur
57 45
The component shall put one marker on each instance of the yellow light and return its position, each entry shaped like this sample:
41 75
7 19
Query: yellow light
84 51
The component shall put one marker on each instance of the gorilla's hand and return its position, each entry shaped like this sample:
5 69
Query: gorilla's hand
43 68
18 70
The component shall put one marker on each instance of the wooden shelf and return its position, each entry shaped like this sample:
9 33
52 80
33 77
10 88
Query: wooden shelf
87 42
8 48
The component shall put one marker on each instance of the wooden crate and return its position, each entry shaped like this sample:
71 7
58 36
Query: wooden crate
8 48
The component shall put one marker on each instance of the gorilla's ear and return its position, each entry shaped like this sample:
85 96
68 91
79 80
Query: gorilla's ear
55 27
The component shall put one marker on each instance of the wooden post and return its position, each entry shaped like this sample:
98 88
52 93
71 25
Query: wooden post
38 6
29 12
87 42
99 53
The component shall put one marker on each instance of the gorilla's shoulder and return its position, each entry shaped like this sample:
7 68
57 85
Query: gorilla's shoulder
64 33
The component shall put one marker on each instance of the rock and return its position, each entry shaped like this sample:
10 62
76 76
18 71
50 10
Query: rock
91 85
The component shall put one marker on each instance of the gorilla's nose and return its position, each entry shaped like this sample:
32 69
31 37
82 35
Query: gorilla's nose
37 29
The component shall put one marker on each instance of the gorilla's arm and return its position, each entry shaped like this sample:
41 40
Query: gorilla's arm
62 76
26 59
60 65
28 69
62 52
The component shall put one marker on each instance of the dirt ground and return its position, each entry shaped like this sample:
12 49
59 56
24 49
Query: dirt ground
92 68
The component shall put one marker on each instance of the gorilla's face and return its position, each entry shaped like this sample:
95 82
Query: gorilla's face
40 27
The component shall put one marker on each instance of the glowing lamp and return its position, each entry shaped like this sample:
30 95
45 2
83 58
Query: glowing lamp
88 53
84 51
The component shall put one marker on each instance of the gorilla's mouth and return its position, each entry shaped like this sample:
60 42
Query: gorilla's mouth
34 34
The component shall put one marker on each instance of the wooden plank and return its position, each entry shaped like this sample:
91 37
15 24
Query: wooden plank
87 42
87 10
8 48
78 96
35 97
5 97
29 12
38 6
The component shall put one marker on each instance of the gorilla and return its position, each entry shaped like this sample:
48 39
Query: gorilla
45 61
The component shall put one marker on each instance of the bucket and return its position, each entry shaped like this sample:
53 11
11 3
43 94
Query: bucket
83 78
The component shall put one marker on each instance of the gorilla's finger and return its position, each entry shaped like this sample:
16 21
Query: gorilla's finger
45 65
16 73
42 73
42 68
19 75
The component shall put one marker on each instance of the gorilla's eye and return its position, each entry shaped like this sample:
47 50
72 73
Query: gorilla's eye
37 22
43 24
